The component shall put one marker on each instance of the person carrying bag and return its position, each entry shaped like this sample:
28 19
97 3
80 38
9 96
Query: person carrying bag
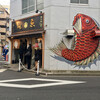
28 56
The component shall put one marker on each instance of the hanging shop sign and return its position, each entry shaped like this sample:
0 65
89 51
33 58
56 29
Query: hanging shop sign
16 43
33 23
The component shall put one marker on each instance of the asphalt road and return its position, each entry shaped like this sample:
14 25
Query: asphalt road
26 86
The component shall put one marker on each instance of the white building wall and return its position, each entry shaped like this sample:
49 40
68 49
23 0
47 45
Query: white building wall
58 16
62 14
15 8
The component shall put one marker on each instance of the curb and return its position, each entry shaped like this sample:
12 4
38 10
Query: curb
71 73
76 73
57 73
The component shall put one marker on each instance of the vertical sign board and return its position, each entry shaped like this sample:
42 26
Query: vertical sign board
33 23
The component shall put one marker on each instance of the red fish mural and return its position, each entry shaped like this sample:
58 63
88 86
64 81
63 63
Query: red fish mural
86 45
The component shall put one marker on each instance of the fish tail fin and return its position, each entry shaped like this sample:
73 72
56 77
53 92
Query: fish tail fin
58 48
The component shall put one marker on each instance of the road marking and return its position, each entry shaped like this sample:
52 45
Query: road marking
55 83
2 70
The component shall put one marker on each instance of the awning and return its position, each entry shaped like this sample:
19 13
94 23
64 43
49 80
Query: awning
26 34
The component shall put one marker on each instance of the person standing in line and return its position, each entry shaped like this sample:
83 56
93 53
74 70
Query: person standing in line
40 53
21 50
40 58
25 50
37 56
28 56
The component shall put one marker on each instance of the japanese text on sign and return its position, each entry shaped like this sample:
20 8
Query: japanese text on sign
27 24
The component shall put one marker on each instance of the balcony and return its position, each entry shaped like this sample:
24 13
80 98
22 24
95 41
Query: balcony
2 30
2 22
2 37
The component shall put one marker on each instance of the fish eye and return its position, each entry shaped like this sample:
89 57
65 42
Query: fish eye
87 21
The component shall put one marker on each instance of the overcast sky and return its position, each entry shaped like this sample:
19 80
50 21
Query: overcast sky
5 2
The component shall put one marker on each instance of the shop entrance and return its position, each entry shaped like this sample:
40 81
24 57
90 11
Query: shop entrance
20 46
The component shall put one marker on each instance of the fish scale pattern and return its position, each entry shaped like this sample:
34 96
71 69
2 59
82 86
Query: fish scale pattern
85 45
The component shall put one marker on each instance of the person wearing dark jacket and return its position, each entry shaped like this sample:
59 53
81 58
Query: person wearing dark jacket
28 56
21 50
25 50
37 56
40 59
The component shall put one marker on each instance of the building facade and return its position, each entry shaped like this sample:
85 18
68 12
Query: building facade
4 26
57 19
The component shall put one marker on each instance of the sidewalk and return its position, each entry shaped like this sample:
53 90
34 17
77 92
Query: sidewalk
2 61
1 58
15 67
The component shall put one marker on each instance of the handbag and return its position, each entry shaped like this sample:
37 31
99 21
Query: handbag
28 53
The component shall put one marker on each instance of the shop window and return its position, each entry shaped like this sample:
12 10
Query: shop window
79 1
32 5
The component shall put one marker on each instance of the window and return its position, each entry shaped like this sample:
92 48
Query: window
2 26
28 5
31 5
79 1
1 12
7 28
2 18
2 33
